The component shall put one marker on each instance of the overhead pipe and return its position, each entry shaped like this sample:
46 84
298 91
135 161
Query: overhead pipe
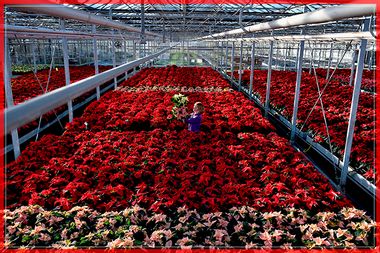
13 31
69 13
30 110
319 37
316 17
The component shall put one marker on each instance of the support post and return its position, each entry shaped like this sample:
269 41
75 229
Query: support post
9 95
354 107
114 59
354 58
297 90
226 57
67 70
267 94
251 76
240 64
330 59
232 59
125 56
34 57
96 61
286 57
311 61
370 60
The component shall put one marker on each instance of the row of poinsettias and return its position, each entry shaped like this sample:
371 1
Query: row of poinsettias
238 227
336 101
126 150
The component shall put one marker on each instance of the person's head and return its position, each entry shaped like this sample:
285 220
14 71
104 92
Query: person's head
198 107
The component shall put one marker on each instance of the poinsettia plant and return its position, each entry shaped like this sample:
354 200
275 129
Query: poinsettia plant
179 109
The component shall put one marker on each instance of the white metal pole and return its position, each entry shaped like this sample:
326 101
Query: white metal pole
354 107
125 56
232 59
286 56
9 95
354 58
311 60
226 57
297 90
114 59
34 57
370 60
251 76
96 61
240 64
330 59
267 94
67 70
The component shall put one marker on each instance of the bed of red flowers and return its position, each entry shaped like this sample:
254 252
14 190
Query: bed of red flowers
126 151
343 77
29 85
336 101
178 76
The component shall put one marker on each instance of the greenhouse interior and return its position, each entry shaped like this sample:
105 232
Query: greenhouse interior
190 126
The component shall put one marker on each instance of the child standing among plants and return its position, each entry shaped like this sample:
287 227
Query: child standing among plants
195 119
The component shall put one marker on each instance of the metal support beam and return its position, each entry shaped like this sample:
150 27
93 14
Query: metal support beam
114 60
67 70
267 94
286 57
125 56
330 59
240 64
297 89
34 58
226 57
9 96
96 60
311 61
353 110
232 59
354 58
251 76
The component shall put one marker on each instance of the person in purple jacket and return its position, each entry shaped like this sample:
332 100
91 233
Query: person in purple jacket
195 119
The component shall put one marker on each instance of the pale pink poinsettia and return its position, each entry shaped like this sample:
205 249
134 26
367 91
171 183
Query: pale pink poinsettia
178 226
319 241
38 229
64 234
365 226
159 217
268 225
184 242
238 227
277 235
308 236
341 232
322 225
223 223
79 223
265 236
54 219
169 243
44 237
219 233
11 229
209 223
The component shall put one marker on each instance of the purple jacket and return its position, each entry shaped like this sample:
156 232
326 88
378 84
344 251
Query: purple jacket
194 122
